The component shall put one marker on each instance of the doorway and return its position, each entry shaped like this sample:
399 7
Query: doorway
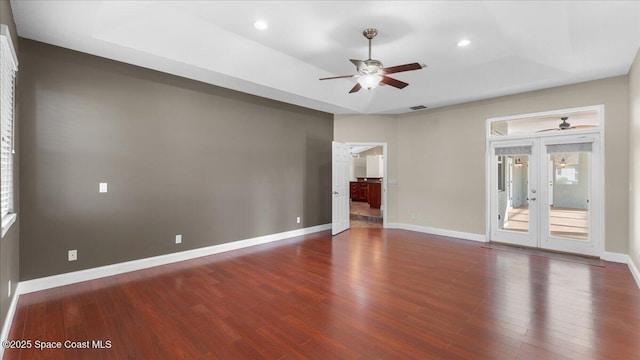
362 194
365 185
546 190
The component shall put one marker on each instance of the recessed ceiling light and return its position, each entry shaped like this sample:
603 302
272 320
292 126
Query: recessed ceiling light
464 42
261 25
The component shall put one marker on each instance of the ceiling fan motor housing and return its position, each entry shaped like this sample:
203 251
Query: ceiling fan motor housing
370 33
371 67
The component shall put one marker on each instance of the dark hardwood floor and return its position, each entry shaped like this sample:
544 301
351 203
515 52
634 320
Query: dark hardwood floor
364 294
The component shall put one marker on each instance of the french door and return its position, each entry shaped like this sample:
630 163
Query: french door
542 193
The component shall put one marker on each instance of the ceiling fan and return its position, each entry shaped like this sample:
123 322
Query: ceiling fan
564 125
372 73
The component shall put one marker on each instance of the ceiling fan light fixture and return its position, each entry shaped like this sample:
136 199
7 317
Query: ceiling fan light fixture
518 163
562 163
369 81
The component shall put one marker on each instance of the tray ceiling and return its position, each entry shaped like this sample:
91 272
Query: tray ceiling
515 46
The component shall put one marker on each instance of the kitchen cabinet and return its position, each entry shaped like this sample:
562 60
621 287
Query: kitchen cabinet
374 196
359 191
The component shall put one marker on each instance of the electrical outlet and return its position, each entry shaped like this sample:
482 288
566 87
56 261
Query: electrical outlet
178 239
73 255
102 188
298 220
9 289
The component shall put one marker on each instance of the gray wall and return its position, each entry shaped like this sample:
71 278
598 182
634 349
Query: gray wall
10 243
180 157
443 138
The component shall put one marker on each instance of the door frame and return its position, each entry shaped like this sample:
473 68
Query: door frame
599 185
385 156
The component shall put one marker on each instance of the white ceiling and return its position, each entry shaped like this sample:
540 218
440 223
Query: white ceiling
516 45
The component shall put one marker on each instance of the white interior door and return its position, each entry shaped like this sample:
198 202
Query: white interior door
514 192
340 188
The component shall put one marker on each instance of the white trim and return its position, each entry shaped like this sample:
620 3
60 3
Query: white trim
437 231
9 319
615 257
114 269
7 221
634 270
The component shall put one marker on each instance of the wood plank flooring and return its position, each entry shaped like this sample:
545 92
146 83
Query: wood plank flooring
564 222
364 294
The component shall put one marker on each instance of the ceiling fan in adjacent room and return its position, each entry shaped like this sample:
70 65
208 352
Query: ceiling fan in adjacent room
564 125
372 73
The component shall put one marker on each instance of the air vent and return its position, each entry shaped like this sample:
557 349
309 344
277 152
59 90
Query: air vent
419 107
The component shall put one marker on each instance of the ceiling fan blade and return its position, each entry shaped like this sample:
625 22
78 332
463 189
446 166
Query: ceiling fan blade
393 82
338 77
356 88
573 127
401 68
357 63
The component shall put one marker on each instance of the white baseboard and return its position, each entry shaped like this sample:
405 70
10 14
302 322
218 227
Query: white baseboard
441 232
4 334
114 269
634 271
615 257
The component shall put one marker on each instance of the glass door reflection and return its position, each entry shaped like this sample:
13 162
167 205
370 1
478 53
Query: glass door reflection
513 200
569 195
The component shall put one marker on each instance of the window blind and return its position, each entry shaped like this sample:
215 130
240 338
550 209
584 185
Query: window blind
514 150
567 148
8 68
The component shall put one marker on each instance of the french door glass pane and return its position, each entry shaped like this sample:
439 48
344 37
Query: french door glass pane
568 195
513 187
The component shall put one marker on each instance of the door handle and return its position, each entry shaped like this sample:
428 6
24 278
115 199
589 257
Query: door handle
533 199
336 193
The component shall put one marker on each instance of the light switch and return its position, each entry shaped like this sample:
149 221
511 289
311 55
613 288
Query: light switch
103 187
